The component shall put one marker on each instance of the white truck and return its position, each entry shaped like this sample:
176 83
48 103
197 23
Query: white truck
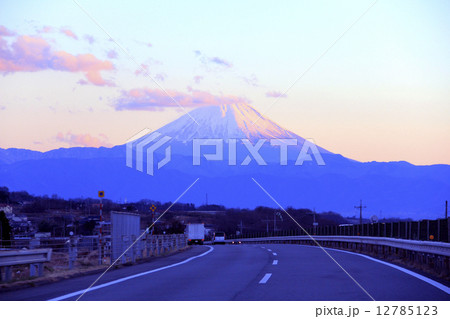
195 233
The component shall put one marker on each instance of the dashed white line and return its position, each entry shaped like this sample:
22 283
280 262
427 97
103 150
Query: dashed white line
274 254
269 249
265 278
275 262
263 247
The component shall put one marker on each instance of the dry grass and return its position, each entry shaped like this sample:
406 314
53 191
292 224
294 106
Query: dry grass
57 269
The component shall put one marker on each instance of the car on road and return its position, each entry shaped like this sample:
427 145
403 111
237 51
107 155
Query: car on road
219 238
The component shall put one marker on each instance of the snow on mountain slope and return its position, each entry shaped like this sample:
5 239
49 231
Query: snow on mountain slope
225 121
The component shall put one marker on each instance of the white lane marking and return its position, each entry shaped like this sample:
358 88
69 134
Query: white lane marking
409 272
79 292
263 247
265 278
269 249
275 262
274 254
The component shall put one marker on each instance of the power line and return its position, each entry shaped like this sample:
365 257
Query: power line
360 207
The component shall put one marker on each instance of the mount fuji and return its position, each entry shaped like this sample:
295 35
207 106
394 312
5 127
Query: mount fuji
389 189
229 122
226 122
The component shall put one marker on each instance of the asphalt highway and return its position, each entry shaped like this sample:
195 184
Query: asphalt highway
246 272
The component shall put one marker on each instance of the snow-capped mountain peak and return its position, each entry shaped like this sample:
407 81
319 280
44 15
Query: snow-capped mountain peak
226 122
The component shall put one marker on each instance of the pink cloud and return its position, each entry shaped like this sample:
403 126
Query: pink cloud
85 140
251 80
6 32
33 53
198 78
89 38
275 94
147 44
150 99
160 77
46 29
112 54
145 67
142 70
69 33
220 61
86 63
206 60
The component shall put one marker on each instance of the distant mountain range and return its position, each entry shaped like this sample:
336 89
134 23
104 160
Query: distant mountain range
393 189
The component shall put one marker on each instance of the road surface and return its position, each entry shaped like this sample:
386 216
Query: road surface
245 272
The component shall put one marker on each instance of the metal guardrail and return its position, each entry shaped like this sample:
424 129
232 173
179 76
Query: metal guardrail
427 230
150 245
427 247
34 257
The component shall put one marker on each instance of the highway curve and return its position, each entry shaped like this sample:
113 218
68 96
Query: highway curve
245 272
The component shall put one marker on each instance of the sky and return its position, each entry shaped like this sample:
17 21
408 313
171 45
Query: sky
378 91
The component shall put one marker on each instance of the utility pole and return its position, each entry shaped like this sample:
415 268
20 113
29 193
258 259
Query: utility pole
360 207
101 194
274 222
275 214
206 199
267 224
446 209
153 222
100 249
241 226
314 222
153 209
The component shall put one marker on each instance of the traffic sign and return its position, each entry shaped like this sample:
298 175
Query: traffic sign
101 194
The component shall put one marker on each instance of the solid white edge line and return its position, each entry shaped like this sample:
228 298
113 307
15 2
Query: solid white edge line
409 272
265 278
79 292
275 262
